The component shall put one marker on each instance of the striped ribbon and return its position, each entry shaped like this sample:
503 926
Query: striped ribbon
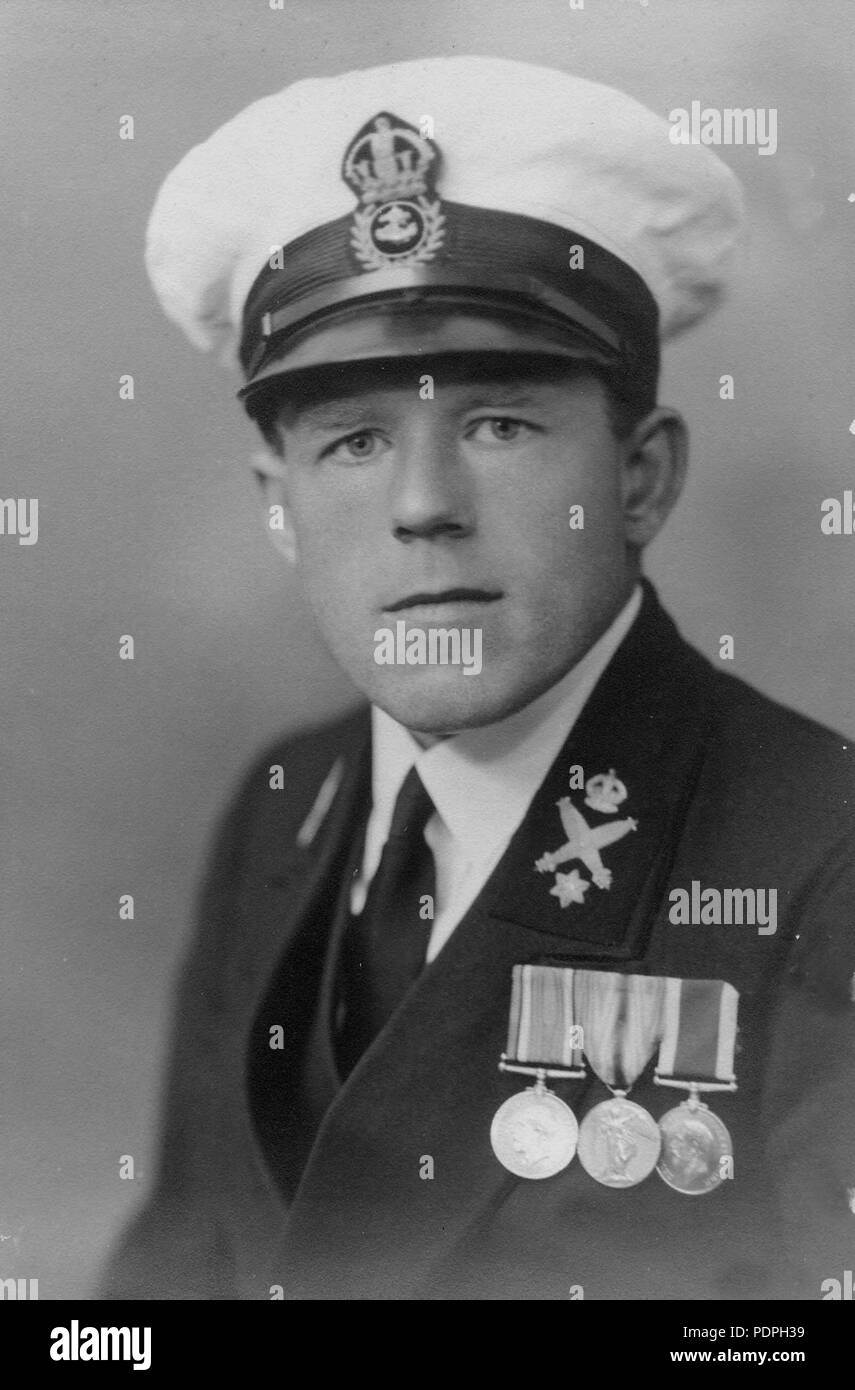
621 1018
542 1019
699 1030
558 1014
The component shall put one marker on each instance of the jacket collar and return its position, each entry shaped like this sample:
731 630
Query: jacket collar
644 730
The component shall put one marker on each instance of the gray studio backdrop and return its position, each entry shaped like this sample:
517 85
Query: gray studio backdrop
114 771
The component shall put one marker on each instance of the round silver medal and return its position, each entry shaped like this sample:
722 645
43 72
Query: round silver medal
534 1134
694 1142
619 1143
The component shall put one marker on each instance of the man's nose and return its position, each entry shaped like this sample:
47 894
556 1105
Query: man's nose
430 494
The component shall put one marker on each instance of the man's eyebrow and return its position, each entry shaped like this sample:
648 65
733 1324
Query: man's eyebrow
350 409
499 394
338 412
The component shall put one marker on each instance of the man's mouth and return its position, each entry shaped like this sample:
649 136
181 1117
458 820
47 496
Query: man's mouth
426 598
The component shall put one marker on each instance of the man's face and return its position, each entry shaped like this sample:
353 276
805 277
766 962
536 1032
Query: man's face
454 513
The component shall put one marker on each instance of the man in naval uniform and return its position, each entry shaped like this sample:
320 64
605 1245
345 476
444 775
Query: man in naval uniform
447 282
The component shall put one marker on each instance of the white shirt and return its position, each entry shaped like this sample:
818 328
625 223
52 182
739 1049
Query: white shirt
481 781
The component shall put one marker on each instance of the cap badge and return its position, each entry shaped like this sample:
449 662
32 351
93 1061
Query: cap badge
391 168
584 841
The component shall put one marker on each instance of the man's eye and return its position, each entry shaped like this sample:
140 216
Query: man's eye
354 448
499 429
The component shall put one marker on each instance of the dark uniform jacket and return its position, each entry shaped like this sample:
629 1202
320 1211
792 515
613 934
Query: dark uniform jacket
277 1180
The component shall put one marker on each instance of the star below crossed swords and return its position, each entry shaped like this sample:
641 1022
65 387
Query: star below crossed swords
583 843
570 888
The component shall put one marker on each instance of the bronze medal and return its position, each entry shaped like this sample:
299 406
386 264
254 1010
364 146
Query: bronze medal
694 1142
619 1143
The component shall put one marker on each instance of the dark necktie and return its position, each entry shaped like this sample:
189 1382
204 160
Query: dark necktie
385 946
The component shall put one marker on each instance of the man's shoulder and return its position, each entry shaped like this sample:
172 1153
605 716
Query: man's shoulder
756 739
750 738
315 748
737 698
285 780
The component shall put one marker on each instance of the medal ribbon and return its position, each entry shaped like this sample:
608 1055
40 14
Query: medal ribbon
621 1019
557 1013
699 1030
540 1030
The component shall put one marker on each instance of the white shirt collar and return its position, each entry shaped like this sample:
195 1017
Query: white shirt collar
482 781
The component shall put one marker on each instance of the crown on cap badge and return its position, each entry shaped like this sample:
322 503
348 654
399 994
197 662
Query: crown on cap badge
605 792
391 168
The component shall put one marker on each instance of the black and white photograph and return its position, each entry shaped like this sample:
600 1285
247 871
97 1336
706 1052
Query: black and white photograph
428 441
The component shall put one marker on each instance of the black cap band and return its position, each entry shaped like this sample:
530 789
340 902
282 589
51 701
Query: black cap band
488 260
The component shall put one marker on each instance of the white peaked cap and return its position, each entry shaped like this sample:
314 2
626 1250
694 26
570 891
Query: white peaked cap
589 163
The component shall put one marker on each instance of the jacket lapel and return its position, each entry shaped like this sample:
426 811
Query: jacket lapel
641 737
289 910
402 1162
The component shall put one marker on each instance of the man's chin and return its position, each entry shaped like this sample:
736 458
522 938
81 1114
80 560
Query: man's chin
444 702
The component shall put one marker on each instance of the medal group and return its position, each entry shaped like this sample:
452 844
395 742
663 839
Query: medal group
561 1018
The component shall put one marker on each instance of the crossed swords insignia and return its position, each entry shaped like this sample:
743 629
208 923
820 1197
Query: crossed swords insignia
583 843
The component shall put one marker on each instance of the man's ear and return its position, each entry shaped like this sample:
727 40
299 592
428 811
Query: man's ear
655 457
272 477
